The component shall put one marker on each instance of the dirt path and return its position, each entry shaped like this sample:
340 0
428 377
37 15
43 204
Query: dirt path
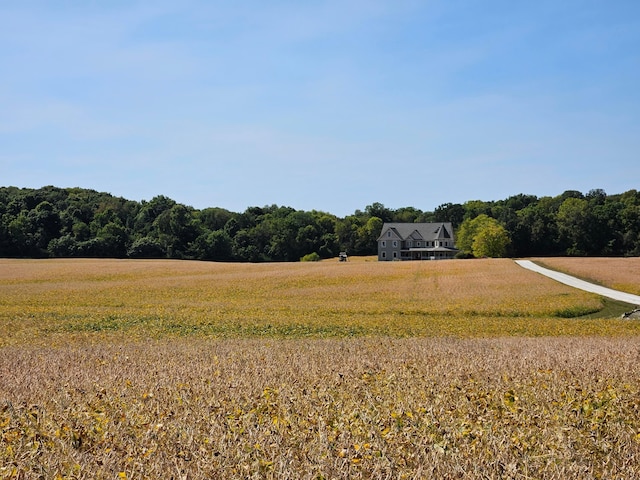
581 284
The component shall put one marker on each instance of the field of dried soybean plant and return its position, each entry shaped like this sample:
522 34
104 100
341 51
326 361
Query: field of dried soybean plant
459 369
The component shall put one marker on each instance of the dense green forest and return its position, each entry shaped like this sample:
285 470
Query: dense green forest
75 222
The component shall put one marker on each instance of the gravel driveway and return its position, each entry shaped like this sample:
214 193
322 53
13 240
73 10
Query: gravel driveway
581 284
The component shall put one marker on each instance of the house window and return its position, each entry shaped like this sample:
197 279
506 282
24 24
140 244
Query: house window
395 254
384 254
395 243
388 234
418 244
384 244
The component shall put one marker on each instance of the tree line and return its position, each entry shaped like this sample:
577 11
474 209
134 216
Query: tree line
76 222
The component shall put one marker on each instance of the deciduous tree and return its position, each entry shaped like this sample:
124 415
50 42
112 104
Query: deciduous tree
491 240
483 236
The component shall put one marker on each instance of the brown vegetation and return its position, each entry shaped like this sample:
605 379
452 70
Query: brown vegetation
359 408
60 299
121 369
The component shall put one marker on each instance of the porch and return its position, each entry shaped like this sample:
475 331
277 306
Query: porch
434 253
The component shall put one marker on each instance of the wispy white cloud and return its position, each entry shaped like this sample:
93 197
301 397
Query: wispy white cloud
282 102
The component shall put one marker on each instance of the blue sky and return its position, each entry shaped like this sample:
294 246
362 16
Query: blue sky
326 105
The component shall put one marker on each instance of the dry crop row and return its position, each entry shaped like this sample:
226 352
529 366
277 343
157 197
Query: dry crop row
60 299
617 273
340 408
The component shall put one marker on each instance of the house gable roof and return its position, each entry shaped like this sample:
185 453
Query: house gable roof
415 235
442 232
419 231
394 233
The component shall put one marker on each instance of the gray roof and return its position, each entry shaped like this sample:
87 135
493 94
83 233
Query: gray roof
434 249
419 231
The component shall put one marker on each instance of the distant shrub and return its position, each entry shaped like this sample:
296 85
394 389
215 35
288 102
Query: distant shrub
311 257
146 247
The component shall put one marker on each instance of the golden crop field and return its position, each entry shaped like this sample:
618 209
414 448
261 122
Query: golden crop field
617 273
61 299
166 369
